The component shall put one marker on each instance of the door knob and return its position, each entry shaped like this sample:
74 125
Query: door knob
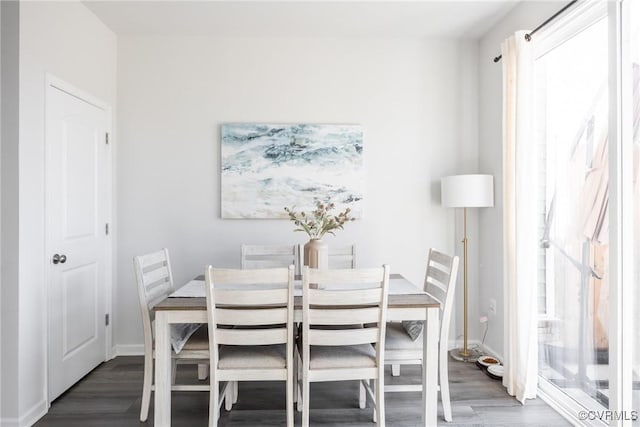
61 259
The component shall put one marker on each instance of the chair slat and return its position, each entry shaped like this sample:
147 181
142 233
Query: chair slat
440 258
250 277
270 256
251 336
347 297
154 277
157 294
268 249
260 297
333 337
248 317
438 275
152 259
342 256
345 276
344 316
253 264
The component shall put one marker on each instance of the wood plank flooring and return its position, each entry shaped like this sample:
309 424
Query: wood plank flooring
111 394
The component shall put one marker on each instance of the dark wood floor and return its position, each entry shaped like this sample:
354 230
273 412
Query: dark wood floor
110 396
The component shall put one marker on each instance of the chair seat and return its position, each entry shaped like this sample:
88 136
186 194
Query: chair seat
398 339
342 356
199 340
253 357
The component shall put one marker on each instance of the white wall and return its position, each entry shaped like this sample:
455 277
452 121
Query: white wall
526 16
174 92
68 41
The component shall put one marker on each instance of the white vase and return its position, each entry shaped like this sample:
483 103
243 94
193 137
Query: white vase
316 254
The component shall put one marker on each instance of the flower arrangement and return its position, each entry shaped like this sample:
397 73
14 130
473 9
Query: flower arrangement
320 221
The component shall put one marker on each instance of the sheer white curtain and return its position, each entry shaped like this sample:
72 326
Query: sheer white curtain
520 160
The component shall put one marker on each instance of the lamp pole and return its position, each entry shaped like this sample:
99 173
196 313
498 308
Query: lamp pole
465 352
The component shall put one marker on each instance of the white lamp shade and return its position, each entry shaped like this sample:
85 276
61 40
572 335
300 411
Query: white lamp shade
467 191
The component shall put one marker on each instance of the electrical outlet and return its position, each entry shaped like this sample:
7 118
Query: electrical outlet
492 307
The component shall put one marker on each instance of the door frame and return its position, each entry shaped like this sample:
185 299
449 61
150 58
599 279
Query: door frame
52 81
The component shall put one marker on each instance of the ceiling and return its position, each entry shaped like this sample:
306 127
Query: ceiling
302 18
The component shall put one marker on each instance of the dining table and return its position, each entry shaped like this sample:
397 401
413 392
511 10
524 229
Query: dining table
188 305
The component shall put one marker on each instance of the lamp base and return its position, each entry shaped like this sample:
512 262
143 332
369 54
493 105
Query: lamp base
471 356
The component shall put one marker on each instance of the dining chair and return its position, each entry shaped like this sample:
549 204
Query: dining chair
155 283
342 256
403 349
250 318
333 345
271 256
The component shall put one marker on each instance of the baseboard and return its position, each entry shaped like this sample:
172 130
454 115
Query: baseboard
36 412
128 350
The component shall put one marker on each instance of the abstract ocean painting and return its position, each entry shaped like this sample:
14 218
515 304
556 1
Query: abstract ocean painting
265 167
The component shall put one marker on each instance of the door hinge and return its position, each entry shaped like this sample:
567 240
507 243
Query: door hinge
106 319
106 229
106 138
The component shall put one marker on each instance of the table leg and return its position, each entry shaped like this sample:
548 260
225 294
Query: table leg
162 395
430 367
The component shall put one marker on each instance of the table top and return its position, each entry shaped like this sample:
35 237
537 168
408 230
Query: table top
402 294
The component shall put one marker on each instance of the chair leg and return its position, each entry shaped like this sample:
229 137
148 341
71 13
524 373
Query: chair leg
444 389
146 387
295 381
395 370
228 396
174 369
203 371
372 384
290 394
363 395
235 392
298 381
214 411
379 390
305 399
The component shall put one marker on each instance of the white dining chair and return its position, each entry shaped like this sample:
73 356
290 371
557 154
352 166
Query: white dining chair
333 345
342 256
250 318
270 256
155 283
403 349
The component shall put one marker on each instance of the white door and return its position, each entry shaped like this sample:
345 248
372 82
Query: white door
77 209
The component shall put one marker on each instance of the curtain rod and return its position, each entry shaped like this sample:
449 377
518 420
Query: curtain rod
527 36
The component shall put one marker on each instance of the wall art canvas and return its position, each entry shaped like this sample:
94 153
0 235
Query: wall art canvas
265 167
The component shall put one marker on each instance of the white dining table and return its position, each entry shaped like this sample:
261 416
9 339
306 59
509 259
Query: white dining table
188 305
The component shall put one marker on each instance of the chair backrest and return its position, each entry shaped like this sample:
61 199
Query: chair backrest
260 301
271 256
346 299
342 256
155 283
440 283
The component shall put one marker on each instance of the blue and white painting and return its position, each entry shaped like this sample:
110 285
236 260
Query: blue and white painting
265 167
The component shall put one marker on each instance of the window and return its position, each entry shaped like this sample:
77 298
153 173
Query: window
571 128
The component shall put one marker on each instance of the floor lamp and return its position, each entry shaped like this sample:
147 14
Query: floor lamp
466 191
